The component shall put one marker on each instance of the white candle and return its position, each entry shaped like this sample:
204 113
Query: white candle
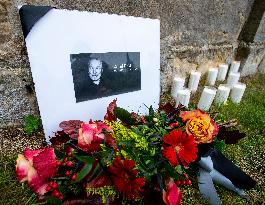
183 97
212 75
177 85
237 92
234 67
233 78
222 94
222 71
207 98
194 80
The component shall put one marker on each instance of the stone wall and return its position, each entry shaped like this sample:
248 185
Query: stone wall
195 34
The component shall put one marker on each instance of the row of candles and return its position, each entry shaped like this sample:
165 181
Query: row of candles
232 88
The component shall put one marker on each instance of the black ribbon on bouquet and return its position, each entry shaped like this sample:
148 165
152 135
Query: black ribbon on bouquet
214 167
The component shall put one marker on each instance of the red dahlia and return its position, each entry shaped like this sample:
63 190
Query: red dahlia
123 176
179 148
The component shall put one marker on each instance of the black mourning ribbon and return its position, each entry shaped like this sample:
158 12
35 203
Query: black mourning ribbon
215 167
29 15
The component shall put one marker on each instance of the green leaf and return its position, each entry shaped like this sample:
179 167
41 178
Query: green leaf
53 200
178 169
151 111
32 124
124 116
85 159
219 144
96 172
147 162
171 170
84 171
58 154
162 131
65 190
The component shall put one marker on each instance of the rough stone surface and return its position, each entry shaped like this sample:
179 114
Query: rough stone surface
260 35
261 66
194 35
253 61
181 60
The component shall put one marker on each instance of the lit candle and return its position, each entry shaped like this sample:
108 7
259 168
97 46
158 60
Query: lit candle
222 94
207 98
177 85
194 80
237 92
234 67
222 71
183 97
233 78
212 75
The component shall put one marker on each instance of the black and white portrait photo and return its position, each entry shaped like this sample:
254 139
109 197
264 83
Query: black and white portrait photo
97 75
81 70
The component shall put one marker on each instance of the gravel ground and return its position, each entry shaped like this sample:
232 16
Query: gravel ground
13 141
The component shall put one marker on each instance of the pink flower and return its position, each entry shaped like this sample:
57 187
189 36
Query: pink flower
91 135
36 167
172 196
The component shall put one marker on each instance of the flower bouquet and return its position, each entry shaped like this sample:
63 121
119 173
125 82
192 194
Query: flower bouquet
133 159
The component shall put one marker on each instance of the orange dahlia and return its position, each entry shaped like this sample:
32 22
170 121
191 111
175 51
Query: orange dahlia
179 148
125 179
200 126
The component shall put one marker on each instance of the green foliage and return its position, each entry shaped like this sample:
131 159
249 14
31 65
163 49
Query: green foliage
32 124
173 173
53 200
219 144
95 173
124 116
66 191
127 137
150 115
143 144
151 111
85 170
59 155
85 159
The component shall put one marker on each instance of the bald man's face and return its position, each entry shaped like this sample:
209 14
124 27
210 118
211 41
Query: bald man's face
95 69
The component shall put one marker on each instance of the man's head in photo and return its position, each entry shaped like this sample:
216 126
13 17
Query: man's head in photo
95 70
